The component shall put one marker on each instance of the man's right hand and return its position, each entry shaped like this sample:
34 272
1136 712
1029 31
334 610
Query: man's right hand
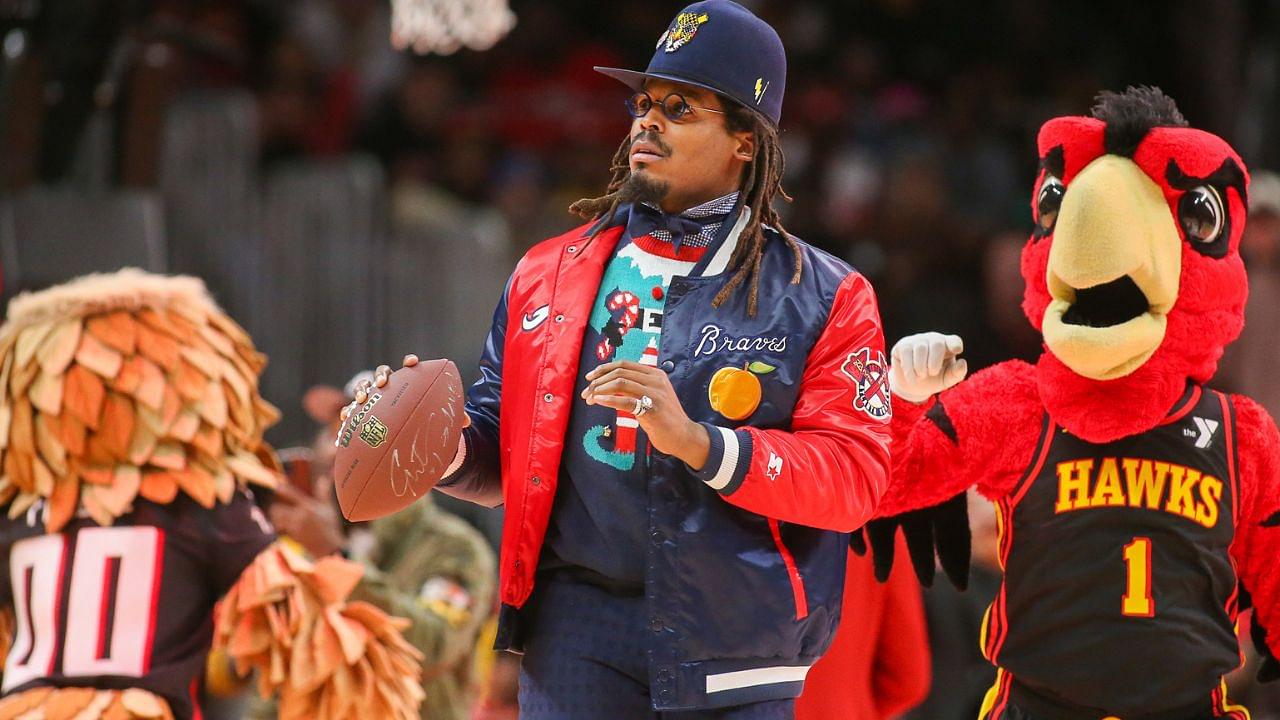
380 378
926 364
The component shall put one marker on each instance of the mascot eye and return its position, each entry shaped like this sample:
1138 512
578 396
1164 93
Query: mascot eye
1201 214
1047 204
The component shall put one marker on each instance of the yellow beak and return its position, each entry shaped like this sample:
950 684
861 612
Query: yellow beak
1114 232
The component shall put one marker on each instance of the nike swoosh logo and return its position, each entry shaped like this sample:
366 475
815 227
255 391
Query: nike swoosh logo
535 318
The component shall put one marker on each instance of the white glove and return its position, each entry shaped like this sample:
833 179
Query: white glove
926 364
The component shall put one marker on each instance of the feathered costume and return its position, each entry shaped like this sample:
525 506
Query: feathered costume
1137 508
131 430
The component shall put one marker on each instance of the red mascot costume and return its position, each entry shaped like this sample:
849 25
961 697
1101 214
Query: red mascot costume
1137 507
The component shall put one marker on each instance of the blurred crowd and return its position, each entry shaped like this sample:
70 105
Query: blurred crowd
909 124
908 129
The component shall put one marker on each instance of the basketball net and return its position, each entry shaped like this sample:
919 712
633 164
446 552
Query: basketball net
444 26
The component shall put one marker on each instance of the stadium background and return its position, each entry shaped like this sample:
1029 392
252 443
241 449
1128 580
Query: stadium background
348 202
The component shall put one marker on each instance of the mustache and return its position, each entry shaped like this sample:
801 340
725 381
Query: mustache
653 138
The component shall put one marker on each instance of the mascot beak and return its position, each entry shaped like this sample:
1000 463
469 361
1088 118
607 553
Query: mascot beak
1113 270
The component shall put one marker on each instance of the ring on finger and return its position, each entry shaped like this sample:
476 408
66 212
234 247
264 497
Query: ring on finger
644 404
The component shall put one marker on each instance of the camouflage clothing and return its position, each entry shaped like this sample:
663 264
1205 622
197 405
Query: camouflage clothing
436 570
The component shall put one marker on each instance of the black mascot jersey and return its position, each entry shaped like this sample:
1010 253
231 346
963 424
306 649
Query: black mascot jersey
125 606
1131 543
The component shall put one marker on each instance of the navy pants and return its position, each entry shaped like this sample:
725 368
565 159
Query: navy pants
586 659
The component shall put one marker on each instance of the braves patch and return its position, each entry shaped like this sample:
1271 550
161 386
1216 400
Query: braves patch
684 29
870 375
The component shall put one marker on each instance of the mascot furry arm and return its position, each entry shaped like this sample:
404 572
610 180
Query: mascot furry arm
1134 277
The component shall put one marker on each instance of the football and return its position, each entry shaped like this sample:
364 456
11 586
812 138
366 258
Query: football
396 446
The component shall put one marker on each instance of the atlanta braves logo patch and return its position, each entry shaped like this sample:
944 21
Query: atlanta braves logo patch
870 375
683 30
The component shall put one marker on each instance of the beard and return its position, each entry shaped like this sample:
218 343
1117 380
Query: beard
640 188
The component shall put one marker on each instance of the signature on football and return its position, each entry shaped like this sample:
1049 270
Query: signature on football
405 475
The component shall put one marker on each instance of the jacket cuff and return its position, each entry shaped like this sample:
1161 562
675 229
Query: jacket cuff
455 470
728 459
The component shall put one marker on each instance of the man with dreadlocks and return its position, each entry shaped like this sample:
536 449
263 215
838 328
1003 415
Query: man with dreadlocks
684 410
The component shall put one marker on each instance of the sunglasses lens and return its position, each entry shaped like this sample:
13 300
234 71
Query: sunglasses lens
638 105
675 106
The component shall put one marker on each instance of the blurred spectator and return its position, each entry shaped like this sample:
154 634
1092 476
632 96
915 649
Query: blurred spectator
499 671
1248 365
348 39
1010 330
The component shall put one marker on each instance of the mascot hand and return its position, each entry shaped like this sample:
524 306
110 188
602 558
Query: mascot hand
942 528
926 364
1269 668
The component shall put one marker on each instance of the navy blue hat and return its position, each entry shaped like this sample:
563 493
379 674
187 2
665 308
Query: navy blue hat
721 46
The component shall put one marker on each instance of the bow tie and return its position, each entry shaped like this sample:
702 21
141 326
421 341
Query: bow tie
644 220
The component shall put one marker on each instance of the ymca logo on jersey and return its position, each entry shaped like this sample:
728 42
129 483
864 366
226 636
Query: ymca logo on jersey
683 31
870 375
1203 432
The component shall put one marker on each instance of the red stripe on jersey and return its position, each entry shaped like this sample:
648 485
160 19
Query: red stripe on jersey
155 599
1002 701
1002 622
1042 452
992 628
1006 530
1228 423
1228 429
1224 708
997 625
1180 411
998 629
104 603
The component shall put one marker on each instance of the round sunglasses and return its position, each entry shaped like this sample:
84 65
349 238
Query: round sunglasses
674 106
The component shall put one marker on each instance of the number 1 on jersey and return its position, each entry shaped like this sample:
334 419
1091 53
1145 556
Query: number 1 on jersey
1137 600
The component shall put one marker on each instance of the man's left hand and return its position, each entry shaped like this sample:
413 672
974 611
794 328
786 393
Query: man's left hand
312 521
620 385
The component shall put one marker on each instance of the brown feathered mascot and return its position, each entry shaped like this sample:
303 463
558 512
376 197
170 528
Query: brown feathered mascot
131 432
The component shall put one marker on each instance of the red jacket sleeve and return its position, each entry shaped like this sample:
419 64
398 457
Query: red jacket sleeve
981 432
1257 540
830 469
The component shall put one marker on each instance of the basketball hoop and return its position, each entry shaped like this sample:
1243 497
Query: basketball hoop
444 26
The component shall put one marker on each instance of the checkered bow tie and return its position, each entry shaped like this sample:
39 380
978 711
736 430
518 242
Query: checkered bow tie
644 220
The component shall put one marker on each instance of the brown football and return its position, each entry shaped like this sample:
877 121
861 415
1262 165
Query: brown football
395 447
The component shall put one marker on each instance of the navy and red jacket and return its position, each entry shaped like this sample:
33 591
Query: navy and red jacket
745 560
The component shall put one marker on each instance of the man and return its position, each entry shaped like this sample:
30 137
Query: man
684 410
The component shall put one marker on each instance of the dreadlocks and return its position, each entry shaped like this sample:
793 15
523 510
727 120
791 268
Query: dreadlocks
762 180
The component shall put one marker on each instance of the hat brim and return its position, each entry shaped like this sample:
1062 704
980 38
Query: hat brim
634 79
